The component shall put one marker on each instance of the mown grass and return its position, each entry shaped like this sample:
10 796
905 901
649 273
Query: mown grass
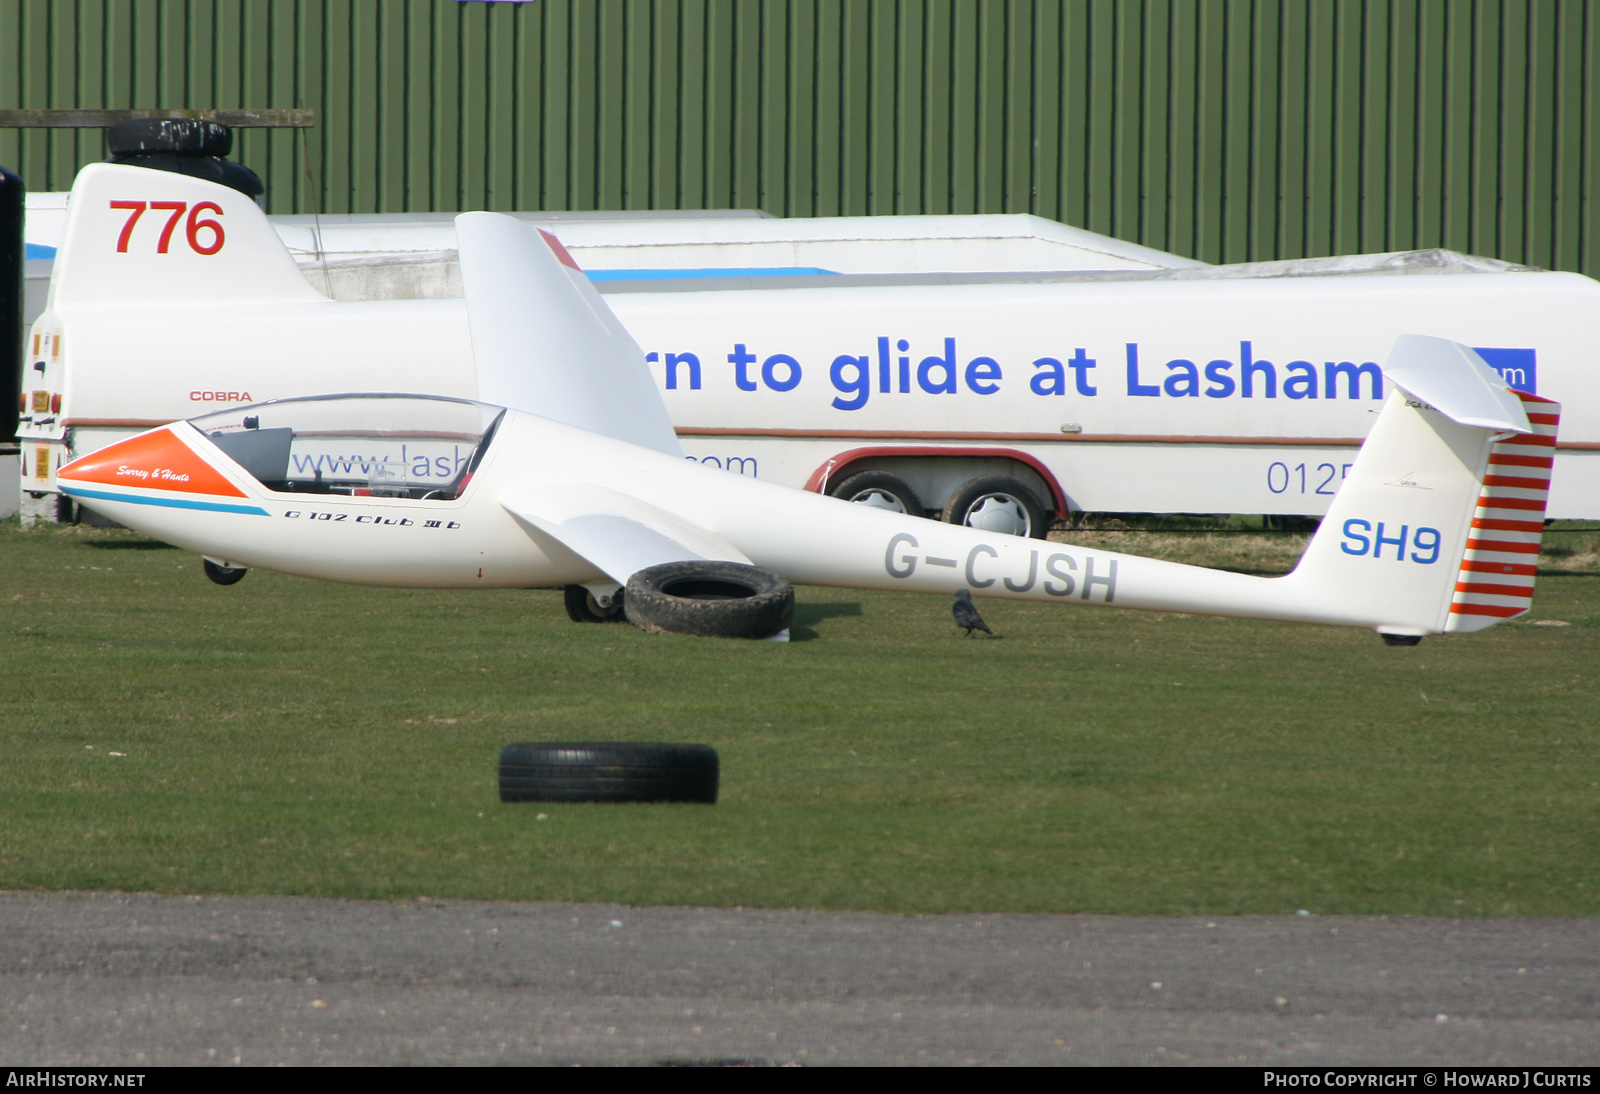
289 736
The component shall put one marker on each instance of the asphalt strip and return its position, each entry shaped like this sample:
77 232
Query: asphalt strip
118 979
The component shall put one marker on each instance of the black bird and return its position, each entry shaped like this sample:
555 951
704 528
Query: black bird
967 616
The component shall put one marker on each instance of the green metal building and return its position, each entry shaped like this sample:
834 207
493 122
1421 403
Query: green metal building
1230 130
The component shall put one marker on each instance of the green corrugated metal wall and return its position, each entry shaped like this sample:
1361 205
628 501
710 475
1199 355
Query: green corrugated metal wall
1224 129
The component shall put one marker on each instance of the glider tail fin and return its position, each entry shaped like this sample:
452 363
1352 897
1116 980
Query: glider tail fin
1495 581
1437 526
140 236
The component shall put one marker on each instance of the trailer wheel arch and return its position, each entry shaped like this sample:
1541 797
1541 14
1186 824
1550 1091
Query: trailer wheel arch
856 460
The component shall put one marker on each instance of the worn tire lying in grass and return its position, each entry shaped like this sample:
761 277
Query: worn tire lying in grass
608 771
709 599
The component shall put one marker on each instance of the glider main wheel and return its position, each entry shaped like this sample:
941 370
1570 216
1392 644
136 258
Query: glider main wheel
223 575
582 607
880 490
709 599
608 771
998 503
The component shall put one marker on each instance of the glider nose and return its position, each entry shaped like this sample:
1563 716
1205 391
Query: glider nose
157 460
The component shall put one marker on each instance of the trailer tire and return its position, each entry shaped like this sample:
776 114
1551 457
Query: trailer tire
709 599
223 575
881 490
184 136
608 771
233 175
582 607
998 503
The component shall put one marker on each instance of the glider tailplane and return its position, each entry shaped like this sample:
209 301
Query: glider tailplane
1437 526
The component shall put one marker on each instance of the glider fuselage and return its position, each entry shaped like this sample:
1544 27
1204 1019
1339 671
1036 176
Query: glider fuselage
475 520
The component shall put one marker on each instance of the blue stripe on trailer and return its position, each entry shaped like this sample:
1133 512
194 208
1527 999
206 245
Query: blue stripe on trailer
708 271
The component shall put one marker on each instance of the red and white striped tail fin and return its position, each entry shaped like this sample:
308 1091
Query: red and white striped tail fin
1497 571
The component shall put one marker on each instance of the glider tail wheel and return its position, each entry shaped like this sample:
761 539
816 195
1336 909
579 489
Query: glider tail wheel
609 771
709 599
582 607
880 490
223 575
998 503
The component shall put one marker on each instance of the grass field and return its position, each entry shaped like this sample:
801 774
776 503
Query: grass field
286 736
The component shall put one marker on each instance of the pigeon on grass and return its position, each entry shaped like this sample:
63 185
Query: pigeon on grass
967 616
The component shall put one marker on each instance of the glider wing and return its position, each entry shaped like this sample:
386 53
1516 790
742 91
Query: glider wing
617 532
545 342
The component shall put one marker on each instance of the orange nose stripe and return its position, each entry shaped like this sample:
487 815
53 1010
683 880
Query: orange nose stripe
157 460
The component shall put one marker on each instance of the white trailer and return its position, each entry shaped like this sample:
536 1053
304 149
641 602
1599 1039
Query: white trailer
1005 399
692 242
1191 392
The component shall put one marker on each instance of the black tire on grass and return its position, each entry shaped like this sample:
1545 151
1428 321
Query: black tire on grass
608 771
709 599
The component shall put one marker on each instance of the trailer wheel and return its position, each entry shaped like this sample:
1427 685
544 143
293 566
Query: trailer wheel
997 503
223 575
709 599
880 490
582 607
609 771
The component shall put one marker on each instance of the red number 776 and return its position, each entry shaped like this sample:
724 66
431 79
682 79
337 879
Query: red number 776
176 208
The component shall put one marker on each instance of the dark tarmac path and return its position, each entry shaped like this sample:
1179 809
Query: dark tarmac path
122 980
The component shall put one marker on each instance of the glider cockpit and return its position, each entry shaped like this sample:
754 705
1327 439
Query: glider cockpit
424 448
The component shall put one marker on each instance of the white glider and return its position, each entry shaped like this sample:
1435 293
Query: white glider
567 473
